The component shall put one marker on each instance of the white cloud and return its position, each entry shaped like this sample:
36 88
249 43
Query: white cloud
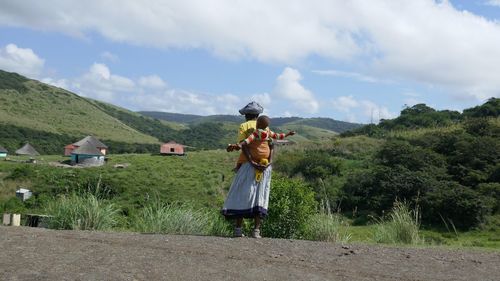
110 56
99 83
145 93
495 3
21 60
364 110
289 88
375 112
61 83
351 75
262 99
345 103
427 41
152 81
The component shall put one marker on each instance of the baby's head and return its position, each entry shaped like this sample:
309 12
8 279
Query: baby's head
263 122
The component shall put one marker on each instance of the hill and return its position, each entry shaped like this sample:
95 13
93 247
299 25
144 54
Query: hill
51 117
322 123
34 105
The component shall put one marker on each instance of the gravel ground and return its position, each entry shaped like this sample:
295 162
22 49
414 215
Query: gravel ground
42 254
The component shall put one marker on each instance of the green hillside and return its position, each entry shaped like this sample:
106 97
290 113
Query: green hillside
33 105
322 123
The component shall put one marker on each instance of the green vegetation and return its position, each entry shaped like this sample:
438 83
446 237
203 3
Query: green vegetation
50 117
444 162
85 212
402 226
37 106
327 227
158 217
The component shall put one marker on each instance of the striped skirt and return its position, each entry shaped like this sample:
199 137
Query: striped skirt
247 197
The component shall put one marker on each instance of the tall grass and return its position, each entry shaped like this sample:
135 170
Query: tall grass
401 227
85 212
327 227
158 217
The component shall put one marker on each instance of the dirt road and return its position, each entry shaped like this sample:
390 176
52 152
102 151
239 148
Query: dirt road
41 254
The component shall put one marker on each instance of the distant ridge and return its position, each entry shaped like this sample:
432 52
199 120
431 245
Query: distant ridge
322 123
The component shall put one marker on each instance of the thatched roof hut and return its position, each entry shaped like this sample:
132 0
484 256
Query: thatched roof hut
3 151
68 149
27 149
87 154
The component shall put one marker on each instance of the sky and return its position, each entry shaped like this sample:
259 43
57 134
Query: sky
356 61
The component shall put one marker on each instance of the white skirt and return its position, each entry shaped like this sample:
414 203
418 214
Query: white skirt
247 197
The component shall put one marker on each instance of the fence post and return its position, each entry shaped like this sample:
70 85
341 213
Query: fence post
6 219
16 219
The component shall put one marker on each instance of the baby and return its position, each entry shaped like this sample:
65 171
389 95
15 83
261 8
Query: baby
260 135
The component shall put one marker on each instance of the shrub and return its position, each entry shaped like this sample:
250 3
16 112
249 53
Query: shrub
291 203
85 212
461 205
327 227
402 226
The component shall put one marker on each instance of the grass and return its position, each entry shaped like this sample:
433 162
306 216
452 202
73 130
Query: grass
55 110
81 213
327 227
401 227
158 217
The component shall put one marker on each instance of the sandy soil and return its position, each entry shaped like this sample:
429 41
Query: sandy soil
41 254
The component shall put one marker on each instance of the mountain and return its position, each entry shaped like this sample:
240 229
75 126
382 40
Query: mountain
329 124
49 118
30 104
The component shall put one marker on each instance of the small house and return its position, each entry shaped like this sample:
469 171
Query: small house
23 194
3 152
172 148
87 155
68 149
27 149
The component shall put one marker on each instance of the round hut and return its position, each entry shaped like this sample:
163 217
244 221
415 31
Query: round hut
3 152
87 155
68 149
27 149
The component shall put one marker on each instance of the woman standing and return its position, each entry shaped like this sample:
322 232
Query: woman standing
248 198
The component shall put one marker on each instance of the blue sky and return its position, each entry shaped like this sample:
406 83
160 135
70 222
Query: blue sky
349 60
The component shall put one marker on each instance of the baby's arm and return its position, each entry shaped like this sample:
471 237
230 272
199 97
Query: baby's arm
280 136
249 140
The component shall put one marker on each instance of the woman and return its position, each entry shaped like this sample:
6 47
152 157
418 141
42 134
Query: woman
248 198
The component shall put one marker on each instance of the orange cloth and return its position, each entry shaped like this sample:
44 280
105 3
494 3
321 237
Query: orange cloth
258 150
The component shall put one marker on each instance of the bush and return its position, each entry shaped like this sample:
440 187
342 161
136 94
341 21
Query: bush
317 165
453 202
327 227
81 212
402 227
291 203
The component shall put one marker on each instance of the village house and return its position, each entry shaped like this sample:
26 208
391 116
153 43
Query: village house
68 149
3 152
172 148
87 155
27 149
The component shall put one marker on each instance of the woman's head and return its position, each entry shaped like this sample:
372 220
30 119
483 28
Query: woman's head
263 122
251 111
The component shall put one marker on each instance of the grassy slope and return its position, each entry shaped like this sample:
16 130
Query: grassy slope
34 105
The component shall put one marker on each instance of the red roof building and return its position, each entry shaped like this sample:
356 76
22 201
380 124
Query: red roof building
172 148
